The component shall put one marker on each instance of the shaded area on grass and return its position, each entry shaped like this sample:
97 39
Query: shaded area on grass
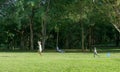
99 49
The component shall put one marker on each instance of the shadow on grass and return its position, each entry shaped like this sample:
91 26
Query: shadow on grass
18 51
100 50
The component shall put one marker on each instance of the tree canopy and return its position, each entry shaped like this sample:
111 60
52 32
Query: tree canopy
65 23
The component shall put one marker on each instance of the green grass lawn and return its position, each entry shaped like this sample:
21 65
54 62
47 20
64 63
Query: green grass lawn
58 62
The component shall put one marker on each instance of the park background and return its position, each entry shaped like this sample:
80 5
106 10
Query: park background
74 26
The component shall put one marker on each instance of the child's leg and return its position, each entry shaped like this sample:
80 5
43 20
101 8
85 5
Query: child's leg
39 52
94 55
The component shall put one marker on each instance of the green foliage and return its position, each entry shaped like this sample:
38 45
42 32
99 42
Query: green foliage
65 17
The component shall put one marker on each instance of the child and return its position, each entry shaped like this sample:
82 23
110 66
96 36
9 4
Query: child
40 47
95 52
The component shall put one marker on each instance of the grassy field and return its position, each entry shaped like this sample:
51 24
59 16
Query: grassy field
58 62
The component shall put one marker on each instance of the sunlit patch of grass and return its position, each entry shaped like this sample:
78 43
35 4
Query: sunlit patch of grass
58 62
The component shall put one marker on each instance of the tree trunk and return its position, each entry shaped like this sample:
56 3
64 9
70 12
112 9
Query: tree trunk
82 37
31 35
31 30
90 39
67 43
22 40
117 39
43 33
44 26
117 27
57 39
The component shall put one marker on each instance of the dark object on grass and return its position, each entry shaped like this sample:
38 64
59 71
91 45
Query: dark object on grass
59 50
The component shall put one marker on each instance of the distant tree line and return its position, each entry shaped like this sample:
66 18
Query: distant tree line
69 24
